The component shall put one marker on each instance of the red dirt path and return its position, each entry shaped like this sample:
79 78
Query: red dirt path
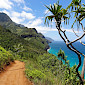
14 75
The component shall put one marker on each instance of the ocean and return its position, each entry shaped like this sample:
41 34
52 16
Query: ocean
55 46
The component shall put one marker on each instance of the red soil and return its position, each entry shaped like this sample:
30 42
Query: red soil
14 75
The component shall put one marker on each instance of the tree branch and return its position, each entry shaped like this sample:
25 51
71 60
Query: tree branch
73 49
77 39
82 43
82 26
71 43
75 33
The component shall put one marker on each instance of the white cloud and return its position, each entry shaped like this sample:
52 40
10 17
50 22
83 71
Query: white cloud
27 8
27 15
15 14
19 1
17 20
21 17
23 14
70 30
7 4
47 29
44 29
35 22
16 17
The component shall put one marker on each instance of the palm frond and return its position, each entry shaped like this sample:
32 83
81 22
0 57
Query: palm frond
73 24
58 13
74 5
48 19
81 16
50 9
65 20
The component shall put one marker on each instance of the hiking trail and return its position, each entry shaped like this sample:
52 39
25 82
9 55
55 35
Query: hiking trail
14 75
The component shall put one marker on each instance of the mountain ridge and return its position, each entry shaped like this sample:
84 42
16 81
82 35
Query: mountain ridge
50 39
19 29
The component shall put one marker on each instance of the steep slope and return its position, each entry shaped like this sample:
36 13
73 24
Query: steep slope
29 34
7 23
19 45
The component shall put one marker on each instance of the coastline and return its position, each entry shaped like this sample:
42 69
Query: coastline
48 49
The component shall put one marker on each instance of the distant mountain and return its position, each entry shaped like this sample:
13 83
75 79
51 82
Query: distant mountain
30 35
15 43
50 39
7 23
4 18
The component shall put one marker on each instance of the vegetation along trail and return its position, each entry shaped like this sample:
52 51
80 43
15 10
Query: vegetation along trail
14 75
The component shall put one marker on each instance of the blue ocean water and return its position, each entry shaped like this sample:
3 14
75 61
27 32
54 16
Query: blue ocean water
71 56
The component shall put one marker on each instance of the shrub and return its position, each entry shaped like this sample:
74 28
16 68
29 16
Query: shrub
33 74
5 57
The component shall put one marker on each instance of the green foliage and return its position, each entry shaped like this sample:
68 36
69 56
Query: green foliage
35 40
62 57
51 71
29 46
71 76
33 74
5 57
21 46
58 13
74 4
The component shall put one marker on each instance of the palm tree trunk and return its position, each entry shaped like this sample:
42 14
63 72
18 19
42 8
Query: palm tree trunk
83 69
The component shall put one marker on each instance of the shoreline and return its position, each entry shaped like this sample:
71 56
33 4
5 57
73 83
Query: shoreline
48 49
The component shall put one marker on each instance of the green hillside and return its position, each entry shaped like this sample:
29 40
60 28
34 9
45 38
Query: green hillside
30 34
5 58
7 23
26 44
18 44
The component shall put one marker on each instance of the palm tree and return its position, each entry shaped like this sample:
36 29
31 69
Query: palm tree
60 14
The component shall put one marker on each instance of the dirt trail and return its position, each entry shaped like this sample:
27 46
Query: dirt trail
14 75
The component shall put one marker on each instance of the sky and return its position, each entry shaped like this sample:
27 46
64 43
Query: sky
32 13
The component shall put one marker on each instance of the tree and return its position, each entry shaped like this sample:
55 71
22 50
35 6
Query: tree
60 14
62 56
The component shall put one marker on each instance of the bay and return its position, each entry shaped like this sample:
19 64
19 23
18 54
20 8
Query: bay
55 46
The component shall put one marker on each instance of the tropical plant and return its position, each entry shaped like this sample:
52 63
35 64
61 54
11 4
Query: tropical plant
60 14
62 56
47 70
80 15
5 58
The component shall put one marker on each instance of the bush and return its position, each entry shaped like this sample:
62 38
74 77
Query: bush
5 57
33 74
46 69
